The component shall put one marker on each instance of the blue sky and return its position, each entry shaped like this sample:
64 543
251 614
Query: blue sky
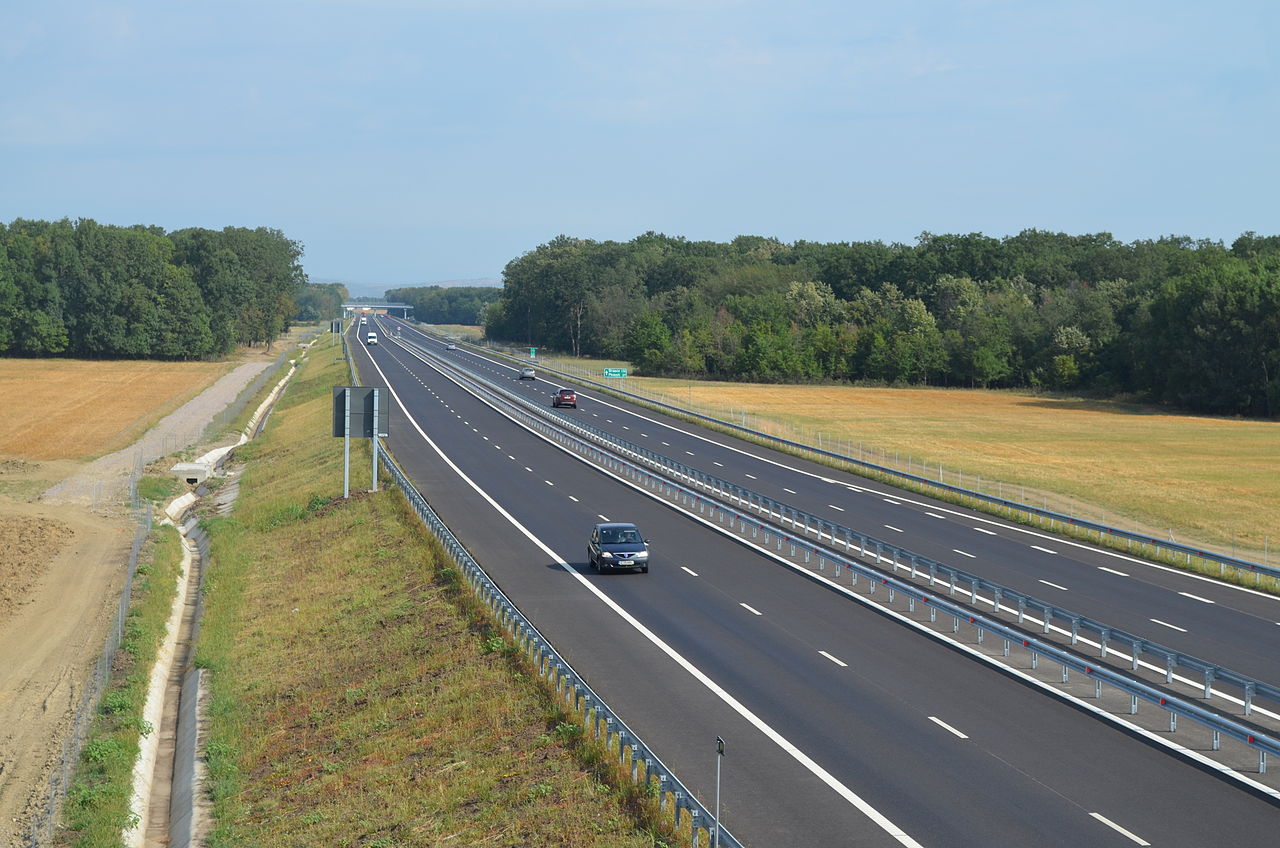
411 141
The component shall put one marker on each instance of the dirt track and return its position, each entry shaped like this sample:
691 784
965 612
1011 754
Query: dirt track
62 562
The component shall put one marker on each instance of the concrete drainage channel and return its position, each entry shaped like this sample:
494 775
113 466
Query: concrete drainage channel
167 776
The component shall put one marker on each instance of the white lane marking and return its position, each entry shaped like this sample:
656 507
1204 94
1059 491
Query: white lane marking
933 515
988 532
690 453
486 438
1055 585
856 800
548 482
667 444
625 427
894 529
1112 571
751 609
751 476
965 553
946 727
690 570
499 447
836 508
527 468
572 498
510 457
645 435
1196 598
601 517
721 464
892 501
1172 626
1046 550
834 660
788 491
1118 829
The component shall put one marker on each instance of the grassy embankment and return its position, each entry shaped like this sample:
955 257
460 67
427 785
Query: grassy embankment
361 696
97 804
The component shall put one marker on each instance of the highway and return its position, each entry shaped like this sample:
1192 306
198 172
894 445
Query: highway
843 727
1230 625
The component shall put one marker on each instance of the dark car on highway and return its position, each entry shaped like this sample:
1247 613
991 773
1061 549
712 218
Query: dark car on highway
565 397
618 545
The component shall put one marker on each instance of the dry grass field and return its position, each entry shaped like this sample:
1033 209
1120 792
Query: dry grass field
78 409
1209 479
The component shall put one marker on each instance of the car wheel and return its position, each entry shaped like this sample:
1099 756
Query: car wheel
644 569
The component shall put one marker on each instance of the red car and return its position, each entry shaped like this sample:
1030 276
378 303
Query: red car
565 397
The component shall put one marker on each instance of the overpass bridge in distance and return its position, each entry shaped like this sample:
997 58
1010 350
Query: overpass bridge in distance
399 309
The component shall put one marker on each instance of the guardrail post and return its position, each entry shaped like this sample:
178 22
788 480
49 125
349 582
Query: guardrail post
1208 683
1022 608
1075 630
1262 761
1249 689
1103 638
1168 668
1133 705
973 591
1035 659
1137 652
996 595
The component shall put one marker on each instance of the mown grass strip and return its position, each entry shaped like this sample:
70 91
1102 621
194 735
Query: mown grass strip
358 697
97 809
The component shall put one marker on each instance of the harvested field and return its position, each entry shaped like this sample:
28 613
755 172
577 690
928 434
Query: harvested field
1206 479
78 409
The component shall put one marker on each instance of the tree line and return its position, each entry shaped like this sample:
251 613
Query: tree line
94 290
447 304
1192 323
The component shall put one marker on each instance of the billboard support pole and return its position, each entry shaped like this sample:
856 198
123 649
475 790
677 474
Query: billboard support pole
346 447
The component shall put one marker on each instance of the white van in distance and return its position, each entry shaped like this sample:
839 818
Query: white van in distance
372 339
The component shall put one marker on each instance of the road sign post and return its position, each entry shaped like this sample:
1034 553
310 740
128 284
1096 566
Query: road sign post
360 411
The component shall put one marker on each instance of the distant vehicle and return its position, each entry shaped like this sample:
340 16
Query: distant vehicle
618 545
451 346
371 339
565 397
527 374
364 319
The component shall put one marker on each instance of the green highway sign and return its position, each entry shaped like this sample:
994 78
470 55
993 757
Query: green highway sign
615 372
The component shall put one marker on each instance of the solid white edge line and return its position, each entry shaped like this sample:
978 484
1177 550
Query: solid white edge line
946 727
733 703
1118 829
750 609
840 663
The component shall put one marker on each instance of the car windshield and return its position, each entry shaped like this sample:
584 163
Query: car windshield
619 536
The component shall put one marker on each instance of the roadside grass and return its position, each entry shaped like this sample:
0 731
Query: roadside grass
358 698
157 488
97 810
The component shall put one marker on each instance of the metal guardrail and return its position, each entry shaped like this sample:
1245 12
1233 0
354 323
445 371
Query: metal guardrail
605 724
709 485
1070 521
